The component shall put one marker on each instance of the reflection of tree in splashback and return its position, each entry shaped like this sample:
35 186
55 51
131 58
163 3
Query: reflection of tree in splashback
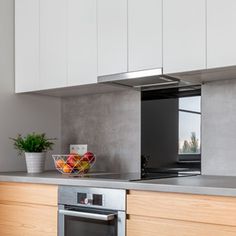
191 146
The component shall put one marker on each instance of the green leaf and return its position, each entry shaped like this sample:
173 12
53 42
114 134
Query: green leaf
33 143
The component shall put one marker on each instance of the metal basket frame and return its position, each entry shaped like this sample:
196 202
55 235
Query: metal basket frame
75 171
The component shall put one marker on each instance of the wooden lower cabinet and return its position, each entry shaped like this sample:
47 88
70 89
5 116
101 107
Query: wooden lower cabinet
170 214
26 219
148 226
34 216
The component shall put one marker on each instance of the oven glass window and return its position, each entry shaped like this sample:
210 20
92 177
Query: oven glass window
76 226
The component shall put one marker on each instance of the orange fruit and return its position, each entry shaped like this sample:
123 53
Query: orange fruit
60 164
66 168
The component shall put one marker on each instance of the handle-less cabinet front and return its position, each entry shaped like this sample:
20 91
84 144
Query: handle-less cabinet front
144 34
82 42
53 39
184 35
112 36
26 45
56 43
68 48
221 33
129 35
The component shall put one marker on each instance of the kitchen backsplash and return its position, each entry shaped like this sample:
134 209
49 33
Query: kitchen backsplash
109 124
219 128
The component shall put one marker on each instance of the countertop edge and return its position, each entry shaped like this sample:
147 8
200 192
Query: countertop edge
115 184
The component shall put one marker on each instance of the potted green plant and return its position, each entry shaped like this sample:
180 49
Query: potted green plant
34 146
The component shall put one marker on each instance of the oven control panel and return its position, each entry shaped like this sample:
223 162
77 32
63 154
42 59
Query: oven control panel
90 199
102 198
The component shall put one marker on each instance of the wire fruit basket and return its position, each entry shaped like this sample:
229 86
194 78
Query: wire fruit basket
74 164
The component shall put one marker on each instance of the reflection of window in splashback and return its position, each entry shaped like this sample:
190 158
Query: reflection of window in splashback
190 125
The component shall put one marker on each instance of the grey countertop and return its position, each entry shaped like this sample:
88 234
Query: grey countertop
209 185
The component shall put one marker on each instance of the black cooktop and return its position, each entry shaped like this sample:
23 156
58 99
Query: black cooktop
144 176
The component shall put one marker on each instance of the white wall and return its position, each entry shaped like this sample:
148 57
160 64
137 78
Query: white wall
20 113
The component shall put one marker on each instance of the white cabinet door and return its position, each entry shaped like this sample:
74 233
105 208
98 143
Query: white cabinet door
26 45
82 42
112 36
53 40
184 35
221 33
144 34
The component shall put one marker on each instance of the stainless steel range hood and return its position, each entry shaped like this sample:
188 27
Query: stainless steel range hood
145 80
155 79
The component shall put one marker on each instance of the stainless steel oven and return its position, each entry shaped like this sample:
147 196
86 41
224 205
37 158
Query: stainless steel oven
91 211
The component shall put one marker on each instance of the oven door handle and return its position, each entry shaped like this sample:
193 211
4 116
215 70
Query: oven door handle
88 215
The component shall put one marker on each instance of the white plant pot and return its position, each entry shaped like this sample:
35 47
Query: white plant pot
35 161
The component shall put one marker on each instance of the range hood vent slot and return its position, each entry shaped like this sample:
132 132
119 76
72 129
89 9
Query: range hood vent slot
155 79
141 80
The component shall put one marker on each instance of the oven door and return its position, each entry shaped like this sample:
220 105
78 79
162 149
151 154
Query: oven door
74 221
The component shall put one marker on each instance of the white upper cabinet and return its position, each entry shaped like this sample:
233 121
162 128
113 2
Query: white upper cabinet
112 36
56 44
184 35
26 45
53 40
82 42
144 34
221 33
62 43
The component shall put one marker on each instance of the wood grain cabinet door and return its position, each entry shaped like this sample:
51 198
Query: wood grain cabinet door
19 219
175 214
148 226
28 209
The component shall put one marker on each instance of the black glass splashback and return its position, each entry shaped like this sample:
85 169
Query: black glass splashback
170 132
